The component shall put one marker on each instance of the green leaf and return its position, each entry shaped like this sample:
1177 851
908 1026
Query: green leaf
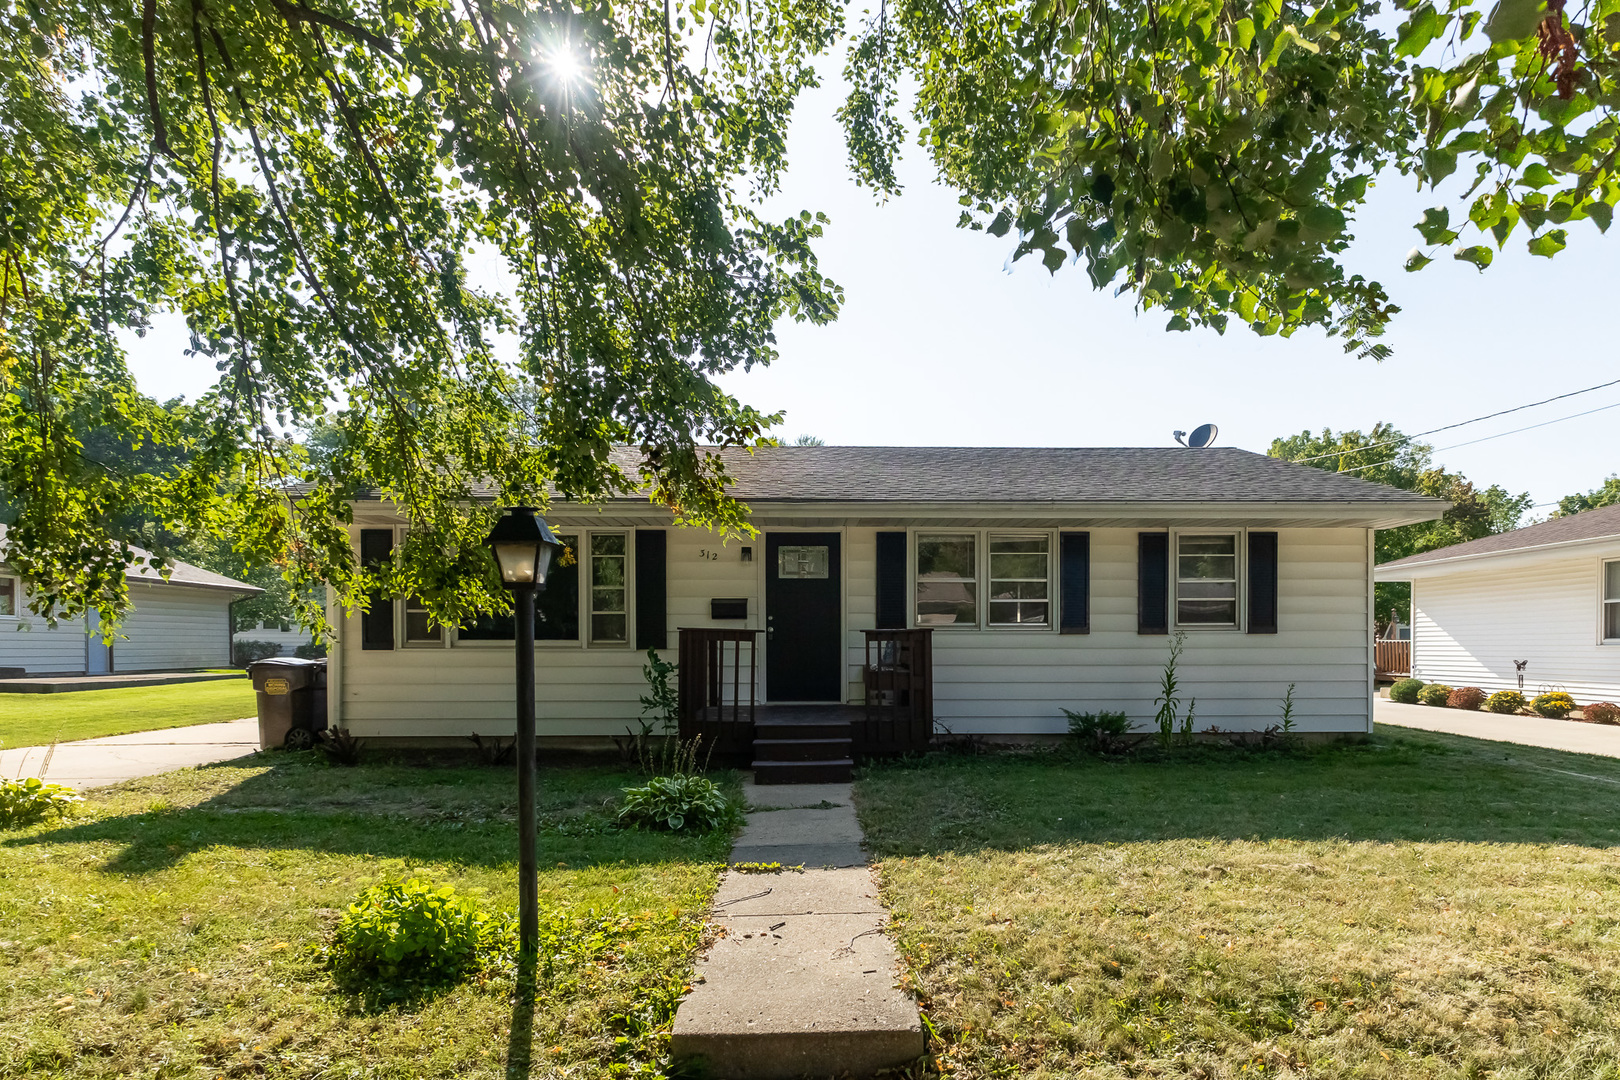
1537 175
1515 19
1435 228
1479 255
1416 260
1601 213
1420 28
1549 243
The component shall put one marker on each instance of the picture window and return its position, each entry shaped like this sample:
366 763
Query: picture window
556 607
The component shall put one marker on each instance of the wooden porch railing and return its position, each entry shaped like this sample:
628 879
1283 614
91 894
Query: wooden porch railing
716 689
1391 657
899 677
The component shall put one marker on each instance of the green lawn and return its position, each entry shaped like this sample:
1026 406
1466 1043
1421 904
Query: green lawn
36 719
1421 906
174 927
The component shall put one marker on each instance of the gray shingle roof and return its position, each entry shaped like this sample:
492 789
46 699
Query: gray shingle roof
180 573
1042 475
1590 525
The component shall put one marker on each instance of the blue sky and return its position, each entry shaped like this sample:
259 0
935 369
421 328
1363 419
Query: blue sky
941 343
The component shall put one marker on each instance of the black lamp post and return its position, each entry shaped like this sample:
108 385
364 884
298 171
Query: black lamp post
523 545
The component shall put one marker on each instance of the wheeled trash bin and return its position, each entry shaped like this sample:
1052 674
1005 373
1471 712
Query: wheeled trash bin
292 701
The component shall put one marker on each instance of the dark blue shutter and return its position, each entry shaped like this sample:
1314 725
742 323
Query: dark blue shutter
1262 583
377 624
891 581
1153 583
652 597
1074 581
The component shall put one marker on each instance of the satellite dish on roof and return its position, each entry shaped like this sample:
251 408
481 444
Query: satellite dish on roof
1203 435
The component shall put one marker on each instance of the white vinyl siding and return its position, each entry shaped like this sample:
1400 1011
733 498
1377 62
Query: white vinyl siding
987 680
1471 623
172 626
28 642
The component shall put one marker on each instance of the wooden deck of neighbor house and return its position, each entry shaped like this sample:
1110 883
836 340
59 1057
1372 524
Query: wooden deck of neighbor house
804 743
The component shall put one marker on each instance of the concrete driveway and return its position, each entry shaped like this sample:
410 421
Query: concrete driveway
94 762
1571 735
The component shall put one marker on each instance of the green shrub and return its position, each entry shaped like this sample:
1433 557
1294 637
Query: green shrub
1469 698
311 650
248 651
1098 731
1504 701
1555 705
23 802
1436 694
682 803
1602 712
1406 691
401 938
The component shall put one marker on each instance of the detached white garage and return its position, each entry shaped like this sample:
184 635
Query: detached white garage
1546 597
174 625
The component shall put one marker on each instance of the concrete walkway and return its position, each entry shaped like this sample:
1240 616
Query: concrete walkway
1571 735
115 758
68 684
801 979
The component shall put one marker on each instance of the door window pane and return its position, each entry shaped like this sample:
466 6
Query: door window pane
1019 571
947 586
556 607
1206 580
607 587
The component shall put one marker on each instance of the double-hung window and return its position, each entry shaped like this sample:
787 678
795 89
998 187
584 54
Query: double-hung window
420 629
1206 579
947 580
1020 567
8 596
607 587
1611 601
556 607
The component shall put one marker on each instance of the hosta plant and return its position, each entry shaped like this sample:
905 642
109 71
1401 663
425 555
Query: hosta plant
1555 705
23 802
400 938
682 803
1505 701
1437 694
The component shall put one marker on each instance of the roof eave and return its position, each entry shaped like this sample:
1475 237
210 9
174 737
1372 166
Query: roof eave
1386 571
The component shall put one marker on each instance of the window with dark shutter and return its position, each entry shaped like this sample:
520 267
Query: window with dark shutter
891 581
652 598
1074 581
377 623
1262 583
1153 583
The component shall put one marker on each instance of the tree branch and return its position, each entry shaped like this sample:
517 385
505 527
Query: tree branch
160 133
298 13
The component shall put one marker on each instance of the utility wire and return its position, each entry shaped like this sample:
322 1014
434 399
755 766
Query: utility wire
1488 438
1448 427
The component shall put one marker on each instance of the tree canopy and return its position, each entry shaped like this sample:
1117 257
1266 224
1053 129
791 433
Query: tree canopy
1384 456
305 181
1606 494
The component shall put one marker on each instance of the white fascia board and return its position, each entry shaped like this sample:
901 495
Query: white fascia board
1460 564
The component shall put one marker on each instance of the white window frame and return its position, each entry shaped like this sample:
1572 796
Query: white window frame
17 602
404 637
990 579
588 588
1239 565
583 554
1604 601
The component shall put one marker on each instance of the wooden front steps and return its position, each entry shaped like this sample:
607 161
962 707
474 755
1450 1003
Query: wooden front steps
806 745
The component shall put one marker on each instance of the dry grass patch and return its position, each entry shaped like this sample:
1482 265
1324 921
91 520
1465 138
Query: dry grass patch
176 927
1425 906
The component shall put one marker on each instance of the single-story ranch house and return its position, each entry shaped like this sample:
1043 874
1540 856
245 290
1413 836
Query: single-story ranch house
989 588
184 622
1546 596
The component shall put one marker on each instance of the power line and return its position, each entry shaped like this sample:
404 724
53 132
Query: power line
1448 427
1488 438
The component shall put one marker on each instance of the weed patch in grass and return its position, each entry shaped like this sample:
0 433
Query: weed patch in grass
1418 906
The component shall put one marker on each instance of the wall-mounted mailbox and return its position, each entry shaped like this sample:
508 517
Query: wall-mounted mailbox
736 608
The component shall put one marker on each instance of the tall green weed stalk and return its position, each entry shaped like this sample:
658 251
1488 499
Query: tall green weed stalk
1169 699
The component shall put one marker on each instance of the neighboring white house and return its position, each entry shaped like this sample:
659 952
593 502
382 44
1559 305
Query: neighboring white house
180 623
1050 577
288 635
1547 595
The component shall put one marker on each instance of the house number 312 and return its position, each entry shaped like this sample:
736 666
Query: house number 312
708 556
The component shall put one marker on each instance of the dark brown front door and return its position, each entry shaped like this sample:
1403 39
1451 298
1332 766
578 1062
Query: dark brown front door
803 627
